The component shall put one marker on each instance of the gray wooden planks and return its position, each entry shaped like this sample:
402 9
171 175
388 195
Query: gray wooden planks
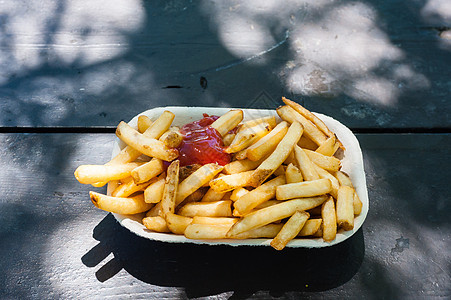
58 245
368 64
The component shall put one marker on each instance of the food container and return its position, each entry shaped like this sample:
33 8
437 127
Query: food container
352 164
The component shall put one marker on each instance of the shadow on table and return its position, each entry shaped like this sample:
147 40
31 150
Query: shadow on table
208 270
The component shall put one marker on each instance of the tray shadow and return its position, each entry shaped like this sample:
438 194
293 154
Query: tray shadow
208 270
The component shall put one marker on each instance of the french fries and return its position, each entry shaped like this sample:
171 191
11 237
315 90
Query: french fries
329 217
283 149
290 230
293 174
120 205
146 145
99 173
283 183
221 208
248 135
228 121
147 171
303 189
274 213
310 116
170 188
345 207
154 191
196 180
230 182
176 223
268 143
259 195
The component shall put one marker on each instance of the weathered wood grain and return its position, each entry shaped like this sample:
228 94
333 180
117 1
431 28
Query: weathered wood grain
86 63
55 244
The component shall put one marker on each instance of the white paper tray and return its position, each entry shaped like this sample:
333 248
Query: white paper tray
352 164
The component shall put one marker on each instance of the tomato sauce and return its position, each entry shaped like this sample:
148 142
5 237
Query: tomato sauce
202 144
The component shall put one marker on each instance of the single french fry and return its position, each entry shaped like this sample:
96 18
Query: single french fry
127 189
329 217
267 231
87 174
328 163
157 224
328 147
212 195
147 171
310 227
345 207
274 213
241 155
161 124
268 143
271 120
303 189
206 231
214 220
248 136
311 116
343 178
231 182
119 205
280 154
238 193
326 175
221 208
195 196
144 122
172 138
288 114
170 188
306 143
290 230
293 174
228 121
238 166
148 146
154 191
177 224
357 204
266 204
196 180
228 138
155 211
258 195
305 164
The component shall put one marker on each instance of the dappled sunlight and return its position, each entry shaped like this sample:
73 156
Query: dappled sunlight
336 47
437 11
71 49
100 34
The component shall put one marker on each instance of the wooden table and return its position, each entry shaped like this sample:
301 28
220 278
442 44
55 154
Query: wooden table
71 70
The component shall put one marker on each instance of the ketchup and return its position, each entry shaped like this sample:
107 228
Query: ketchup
202 144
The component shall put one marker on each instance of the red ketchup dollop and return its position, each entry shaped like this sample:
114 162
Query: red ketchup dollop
202 144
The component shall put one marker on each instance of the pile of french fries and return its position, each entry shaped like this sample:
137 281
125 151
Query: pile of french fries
283 182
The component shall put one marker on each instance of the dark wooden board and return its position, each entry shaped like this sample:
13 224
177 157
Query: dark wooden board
55 244
368 64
